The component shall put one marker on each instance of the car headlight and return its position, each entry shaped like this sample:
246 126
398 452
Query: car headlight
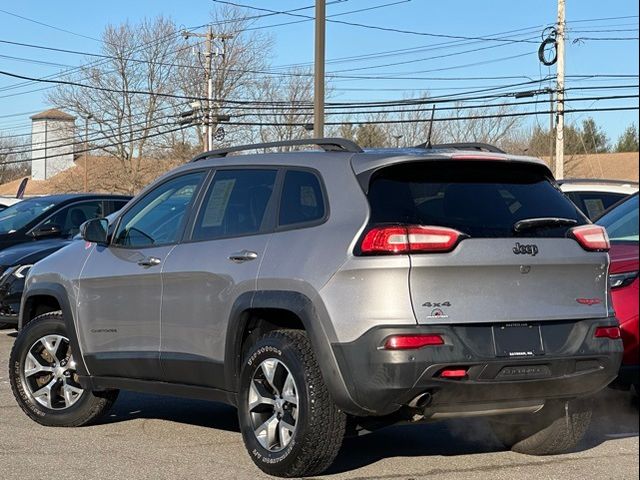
619 280
21 271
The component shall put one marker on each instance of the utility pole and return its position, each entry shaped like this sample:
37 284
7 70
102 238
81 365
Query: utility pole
318 89
86 152
560 91
209 37
551 130
209 76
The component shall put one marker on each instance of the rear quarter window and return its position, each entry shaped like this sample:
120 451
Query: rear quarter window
302 200
478 198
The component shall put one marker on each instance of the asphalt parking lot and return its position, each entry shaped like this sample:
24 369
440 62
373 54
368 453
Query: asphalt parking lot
155 437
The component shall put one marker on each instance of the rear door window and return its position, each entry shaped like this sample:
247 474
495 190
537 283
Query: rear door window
479 198
235 204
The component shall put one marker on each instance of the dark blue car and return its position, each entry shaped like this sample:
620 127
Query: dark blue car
35 228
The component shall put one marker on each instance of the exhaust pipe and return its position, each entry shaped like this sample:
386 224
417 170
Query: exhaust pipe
421 402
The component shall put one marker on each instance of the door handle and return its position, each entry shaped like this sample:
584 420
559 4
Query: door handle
149 262
243 256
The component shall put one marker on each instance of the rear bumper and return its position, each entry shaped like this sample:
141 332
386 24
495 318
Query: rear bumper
381 381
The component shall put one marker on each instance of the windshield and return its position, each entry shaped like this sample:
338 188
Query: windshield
622 222
17 216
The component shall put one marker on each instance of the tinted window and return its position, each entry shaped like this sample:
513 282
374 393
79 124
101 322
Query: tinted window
235 204
111 206
20 214
594 203
481 199
72 216
301 198
622 222
158 219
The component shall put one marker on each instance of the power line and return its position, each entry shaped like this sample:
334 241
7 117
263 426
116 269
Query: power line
50 26
387 29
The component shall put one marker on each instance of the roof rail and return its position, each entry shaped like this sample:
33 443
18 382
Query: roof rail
481 147
327 144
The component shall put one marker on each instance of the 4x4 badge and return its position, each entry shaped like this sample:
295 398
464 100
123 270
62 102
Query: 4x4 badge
520 249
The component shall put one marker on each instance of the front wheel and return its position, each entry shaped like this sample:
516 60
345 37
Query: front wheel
290 424
556 429
44 380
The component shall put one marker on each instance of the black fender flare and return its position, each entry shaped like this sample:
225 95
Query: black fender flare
58 292
311 314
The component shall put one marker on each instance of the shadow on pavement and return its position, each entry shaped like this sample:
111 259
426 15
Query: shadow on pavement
615 416
131 405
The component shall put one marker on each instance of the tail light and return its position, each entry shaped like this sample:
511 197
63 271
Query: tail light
608 332
409 239
592 238
411 342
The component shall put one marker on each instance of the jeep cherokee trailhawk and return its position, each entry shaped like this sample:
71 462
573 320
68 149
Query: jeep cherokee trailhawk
331 293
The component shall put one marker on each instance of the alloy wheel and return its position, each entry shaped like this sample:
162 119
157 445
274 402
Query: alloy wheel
50 373
273 405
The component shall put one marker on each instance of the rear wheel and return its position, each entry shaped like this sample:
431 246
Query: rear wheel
289 423
44 379
556 429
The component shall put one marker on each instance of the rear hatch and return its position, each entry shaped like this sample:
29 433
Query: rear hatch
498 270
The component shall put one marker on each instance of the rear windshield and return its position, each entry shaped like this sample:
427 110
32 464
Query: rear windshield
478 198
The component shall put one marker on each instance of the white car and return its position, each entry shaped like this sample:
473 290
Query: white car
8 201
594 196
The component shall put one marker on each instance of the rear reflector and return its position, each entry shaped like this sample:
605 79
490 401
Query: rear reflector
592 238
409 342
608 332
409 239
453 374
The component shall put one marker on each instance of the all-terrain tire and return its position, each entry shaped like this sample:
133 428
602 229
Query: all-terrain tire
87 408
320 425
556 429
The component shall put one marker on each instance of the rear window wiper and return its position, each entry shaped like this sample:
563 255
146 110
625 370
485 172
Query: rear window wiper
531 223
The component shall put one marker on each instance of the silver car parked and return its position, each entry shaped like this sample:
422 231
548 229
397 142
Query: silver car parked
331 293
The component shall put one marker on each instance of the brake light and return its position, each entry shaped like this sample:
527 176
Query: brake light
608 332
476 157
410 342
409 239
592 238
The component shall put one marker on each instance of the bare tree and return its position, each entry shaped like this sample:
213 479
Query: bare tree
13 165
294 93
141 58
489 125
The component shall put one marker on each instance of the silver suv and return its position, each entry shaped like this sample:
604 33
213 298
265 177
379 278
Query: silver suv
331 293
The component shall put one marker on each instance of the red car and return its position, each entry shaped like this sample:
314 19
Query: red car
621 222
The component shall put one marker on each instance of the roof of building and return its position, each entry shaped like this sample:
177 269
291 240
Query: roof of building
614 166
53 114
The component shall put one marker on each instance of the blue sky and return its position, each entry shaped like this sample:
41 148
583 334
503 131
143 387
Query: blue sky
294 44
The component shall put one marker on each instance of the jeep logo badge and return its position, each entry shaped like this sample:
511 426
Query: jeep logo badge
520 249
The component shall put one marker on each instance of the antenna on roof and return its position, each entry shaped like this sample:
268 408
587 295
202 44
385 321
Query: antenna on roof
433 113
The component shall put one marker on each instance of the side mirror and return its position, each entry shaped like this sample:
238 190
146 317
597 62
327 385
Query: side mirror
95 231
51 230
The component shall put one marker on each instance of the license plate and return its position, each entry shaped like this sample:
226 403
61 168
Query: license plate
518 340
